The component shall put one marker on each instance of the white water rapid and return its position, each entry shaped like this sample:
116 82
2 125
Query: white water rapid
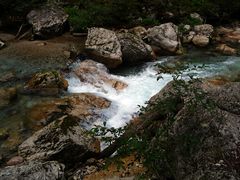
141 87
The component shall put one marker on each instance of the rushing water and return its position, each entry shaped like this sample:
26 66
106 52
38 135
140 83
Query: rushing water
143 84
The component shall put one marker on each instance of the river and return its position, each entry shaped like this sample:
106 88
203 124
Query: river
142 85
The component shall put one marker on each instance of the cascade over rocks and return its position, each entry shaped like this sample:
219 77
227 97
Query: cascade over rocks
47 21
50 170
103 45
62 140
134 50
97 75
164 37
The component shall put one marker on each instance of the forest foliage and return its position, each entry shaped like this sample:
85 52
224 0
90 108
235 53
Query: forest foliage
123 13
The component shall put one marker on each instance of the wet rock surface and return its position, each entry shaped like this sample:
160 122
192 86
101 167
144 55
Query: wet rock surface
84 106
97 75
34 171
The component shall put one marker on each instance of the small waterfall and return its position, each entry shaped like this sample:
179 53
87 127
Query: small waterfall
141 87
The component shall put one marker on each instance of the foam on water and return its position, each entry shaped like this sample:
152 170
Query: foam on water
141 87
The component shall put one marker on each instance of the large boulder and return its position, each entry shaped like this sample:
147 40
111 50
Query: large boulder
51 170
103 45
47 21
165 37
134 50
46 83
97 75
62 140
6 96
84 106
202 36
202 140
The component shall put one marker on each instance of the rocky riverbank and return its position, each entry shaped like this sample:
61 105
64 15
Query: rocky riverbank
203 136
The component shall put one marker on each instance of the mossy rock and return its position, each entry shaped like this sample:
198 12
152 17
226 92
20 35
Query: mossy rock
47 82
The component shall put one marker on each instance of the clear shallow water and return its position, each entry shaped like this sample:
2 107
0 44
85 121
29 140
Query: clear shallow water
143 84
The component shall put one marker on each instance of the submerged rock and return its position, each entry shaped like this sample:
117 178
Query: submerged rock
97 75
134 50
165 37
46 83
47 21
62 140
34 171
6 96
203 137
103 45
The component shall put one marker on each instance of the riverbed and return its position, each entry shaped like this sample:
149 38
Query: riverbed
142 85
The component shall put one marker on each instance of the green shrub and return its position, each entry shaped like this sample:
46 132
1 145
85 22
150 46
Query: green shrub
152 140
79 20
150 22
